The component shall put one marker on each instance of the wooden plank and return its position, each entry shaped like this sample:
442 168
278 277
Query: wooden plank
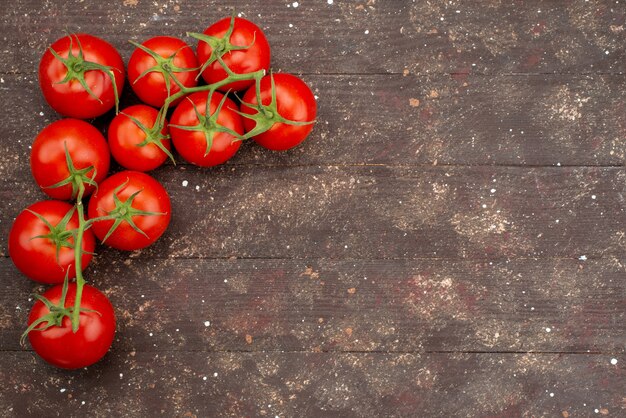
348 37
324 305
354 212
396 120
190 384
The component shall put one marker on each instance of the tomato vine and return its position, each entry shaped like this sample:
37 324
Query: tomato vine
264 117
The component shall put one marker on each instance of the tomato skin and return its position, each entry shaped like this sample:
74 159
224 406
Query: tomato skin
86 146
295 102
36 258
70 98
151 88
63 348
191 145
152 198
125 136
255 58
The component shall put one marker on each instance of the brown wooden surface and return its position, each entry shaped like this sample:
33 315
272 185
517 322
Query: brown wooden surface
495 120
172 383
449 241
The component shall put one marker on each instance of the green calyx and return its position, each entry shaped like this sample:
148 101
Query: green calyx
154 135
219 46
266 115
164 66
77 178
124 212
57 312
77 66
207 124
58 234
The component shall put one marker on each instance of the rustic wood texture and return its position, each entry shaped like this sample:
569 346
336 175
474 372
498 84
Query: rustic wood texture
373 305
383 212
450 240
491 37
403 120
206 384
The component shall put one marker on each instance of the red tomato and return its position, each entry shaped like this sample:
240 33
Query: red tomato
192 144
294 101
151 197
239 61
126 137
61 347
172 54
37 257
87 148
70 98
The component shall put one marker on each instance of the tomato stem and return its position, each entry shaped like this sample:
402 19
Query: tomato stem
220 46
211 88
78 257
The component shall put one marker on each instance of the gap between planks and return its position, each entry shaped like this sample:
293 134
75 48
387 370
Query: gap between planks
350 260
364 352
419 75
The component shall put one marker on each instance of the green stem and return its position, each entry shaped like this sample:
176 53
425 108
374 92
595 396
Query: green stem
78 252
256 76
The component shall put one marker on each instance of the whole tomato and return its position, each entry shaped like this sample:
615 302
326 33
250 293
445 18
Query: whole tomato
46 254
59 345
192 144
232 49
87 148
134 144
142 205
294 102
150 63
82 61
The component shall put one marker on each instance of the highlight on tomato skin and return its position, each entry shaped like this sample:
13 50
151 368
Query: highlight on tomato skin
295 102
149 210
70 98
38 257
147 76
59 345
127 140
86 147
192 145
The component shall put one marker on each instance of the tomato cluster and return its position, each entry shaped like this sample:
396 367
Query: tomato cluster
81 76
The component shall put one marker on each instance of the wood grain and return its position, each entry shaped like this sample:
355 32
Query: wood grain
533 36
381 212
360 305
387 212
542 120
199 384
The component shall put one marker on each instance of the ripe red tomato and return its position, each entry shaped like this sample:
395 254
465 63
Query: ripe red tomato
86 146
61 347
35 255
126 138
294 101
192 144
172 54
69 96
150 197
239 61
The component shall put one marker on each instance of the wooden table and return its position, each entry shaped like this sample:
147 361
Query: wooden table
449 242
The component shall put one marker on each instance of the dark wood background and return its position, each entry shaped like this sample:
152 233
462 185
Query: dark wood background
449 242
